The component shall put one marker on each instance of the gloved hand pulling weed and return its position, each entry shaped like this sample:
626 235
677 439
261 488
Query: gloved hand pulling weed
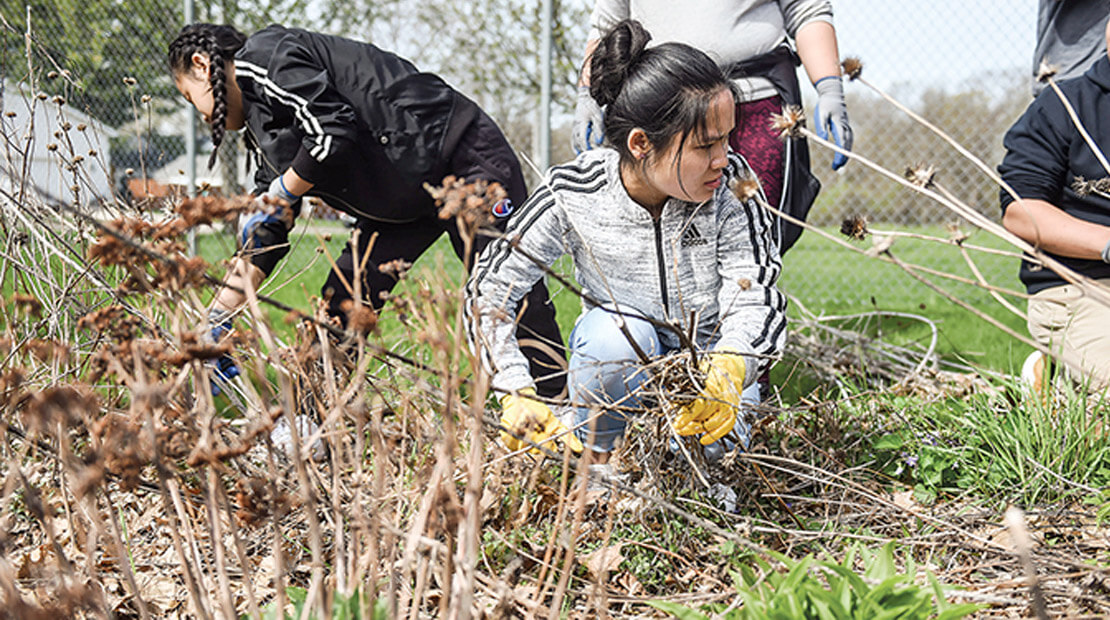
224 368
533 420
714 412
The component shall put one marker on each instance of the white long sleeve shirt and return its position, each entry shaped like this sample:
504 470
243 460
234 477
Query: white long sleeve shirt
729 32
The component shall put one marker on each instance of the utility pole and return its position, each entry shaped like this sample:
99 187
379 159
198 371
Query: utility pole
191 145
544 142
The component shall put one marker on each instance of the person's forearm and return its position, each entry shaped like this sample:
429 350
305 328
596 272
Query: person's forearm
294 183
816 42
240 275
1047 227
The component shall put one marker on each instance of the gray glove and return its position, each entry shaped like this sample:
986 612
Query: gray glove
589 128
832 116
272 207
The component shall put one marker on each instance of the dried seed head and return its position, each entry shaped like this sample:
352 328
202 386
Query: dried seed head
52 75
1046 71
66 126
9 114
855 227
28 304
852 67
81 127
51 147
92 152
1084 188
396 268
744 284
361 318
41 96
78 159
58 99
145 98
130 81
745 187
920 174
473 205
129 171
789 124
955 234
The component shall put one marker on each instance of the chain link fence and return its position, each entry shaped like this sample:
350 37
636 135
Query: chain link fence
967 73
97 67
965 67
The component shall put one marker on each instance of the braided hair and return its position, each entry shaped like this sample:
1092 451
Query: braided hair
219 43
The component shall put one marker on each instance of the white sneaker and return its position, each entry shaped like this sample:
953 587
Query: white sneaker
283 438
1036 374
599 478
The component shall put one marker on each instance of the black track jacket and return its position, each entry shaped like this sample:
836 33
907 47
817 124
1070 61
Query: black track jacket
362 124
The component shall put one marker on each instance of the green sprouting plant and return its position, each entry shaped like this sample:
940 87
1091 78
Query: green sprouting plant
342 608
828 590
1101 500
1033 454
922 458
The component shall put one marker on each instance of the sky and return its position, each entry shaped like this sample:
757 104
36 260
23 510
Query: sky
944 43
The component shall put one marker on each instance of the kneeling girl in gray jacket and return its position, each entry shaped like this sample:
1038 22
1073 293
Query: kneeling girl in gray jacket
657 238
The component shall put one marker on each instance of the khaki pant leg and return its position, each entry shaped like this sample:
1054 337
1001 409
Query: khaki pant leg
1076 328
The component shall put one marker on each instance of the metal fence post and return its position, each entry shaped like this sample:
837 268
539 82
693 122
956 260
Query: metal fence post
191 144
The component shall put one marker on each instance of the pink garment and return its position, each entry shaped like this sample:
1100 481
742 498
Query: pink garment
760 144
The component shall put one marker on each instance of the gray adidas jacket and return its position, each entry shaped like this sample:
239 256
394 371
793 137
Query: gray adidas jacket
714 261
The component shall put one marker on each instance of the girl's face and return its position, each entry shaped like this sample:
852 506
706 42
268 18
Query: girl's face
696 174
194 85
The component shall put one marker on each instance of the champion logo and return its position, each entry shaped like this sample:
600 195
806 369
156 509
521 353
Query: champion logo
692 237
503 208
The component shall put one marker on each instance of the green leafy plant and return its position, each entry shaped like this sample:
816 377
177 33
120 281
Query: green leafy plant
342 607
923 459
813 589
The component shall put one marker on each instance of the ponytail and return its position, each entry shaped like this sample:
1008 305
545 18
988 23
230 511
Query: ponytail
664 90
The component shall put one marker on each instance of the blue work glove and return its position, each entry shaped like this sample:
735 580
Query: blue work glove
832 116
275 206
224 368
588 131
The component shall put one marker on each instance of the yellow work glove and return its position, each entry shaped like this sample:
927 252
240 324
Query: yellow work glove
714 413
531 419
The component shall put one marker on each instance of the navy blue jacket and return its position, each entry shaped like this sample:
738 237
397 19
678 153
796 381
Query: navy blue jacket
1046 155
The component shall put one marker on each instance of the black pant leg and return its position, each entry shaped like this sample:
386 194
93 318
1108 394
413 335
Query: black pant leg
385 242
484 153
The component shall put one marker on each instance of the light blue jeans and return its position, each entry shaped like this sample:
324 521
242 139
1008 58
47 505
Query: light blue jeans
604 370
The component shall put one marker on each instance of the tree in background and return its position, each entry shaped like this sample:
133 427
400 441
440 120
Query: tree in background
97 43
487 49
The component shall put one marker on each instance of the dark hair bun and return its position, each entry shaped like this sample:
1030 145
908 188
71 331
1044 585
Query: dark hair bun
616 54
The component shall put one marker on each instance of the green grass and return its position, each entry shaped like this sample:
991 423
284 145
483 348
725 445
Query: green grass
824 277
994 448
831 280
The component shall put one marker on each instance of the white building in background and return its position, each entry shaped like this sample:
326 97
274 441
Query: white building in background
50 149
173 173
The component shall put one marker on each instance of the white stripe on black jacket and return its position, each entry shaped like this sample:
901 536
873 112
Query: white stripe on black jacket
715 260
